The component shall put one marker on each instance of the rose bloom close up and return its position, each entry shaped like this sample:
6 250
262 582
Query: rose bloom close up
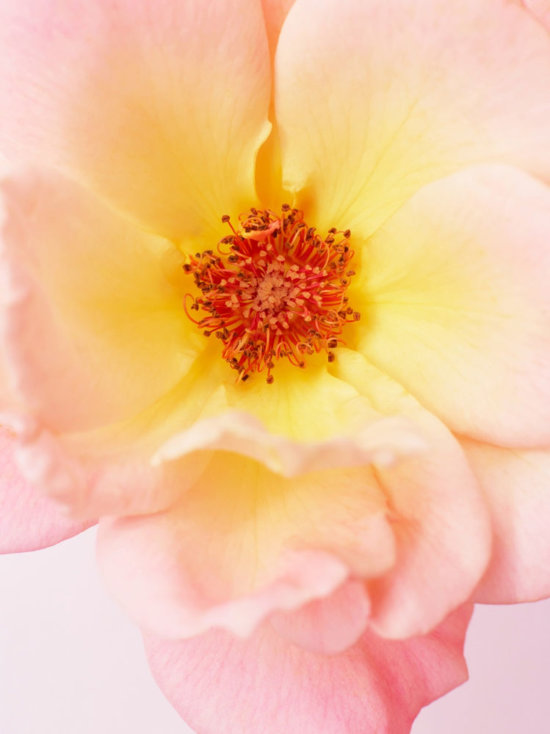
276 316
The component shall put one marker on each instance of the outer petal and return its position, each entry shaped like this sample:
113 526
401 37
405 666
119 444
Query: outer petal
375 98
243 542
264 685
437 513
457 306
94 328
28 521
160 105
517 487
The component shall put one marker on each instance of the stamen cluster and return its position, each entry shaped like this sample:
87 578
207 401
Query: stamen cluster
273 288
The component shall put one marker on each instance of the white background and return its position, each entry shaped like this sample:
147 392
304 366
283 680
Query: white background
71 663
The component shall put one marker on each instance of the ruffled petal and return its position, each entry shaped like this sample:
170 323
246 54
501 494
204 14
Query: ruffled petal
456 305
516 486
275 517
437 513
94 325
161 106
328 625
375 99
243 542
264 685
28 521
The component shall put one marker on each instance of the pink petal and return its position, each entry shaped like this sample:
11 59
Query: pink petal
437 514
328 625
243 542
264 685
540 9
275 12
262 519
28 521
90 302
516 485
459 306
375 99
159 105
376 439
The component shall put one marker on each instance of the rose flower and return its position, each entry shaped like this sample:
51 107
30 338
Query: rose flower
276 316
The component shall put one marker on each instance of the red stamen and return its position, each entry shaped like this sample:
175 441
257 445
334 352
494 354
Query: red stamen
273 289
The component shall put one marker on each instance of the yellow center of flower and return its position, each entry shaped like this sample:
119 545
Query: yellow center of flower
273 289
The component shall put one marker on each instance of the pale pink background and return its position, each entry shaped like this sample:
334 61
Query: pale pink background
70 663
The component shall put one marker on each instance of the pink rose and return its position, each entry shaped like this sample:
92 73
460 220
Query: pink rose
276 315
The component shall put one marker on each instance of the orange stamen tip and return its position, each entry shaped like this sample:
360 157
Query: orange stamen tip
273 289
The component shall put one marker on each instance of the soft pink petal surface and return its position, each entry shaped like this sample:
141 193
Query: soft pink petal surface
266 685
225 551
28 520
437 514
243 542
540 9
160 105
516 486
328 625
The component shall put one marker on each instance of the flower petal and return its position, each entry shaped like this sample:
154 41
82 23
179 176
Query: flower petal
438 517
159 105
275 12
457 306
94 327
306 420
516 486
268 163
264 501
243 542
328 625
265 685
540 9
417 90
28 521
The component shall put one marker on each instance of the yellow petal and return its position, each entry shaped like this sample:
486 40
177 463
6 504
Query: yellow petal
375 99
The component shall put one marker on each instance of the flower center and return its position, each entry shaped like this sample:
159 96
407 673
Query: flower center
273 289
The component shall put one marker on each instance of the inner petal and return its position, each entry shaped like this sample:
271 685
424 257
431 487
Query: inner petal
92 302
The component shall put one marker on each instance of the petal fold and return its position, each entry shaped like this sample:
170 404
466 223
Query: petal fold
28 521
516 486
264 506
437 514
243 542
330 625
